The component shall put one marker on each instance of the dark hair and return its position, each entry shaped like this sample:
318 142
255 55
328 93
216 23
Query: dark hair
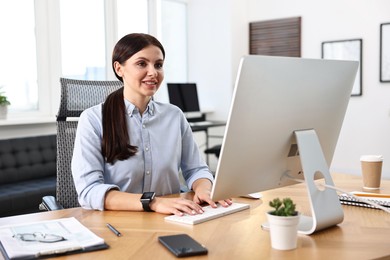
116 143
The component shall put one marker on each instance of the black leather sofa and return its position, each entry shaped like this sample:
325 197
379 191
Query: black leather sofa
27 173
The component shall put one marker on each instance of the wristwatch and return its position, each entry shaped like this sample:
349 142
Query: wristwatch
146 198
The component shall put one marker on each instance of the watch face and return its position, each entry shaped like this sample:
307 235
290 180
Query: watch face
147 195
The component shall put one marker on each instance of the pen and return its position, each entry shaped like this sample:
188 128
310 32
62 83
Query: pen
116 232
374 195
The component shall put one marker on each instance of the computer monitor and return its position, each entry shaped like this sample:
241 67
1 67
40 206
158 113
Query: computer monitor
184 95
285 117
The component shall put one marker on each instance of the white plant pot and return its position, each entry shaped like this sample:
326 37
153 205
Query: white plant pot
3 111
283 231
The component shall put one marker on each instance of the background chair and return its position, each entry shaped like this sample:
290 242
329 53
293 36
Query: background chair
216 150
76 96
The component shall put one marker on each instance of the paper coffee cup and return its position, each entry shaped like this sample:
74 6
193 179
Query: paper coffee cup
371 171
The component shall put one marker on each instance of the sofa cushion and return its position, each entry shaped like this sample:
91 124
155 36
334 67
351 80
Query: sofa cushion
27 158
25 197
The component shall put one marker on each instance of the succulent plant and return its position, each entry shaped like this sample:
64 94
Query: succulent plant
283 208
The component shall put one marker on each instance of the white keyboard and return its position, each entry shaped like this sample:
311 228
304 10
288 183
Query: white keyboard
209 213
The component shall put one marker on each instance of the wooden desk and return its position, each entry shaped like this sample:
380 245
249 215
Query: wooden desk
364 233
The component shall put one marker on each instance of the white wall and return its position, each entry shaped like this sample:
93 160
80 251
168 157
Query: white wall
209 46
214 56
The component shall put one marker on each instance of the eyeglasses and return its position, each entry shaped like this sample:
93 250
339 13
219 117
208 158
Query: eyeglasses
39 237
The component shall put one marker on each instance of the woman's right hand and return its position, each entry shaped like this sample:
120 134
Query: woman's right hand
177 206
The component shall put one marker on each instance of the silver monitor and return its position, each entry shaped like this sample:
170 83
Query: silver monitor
285 118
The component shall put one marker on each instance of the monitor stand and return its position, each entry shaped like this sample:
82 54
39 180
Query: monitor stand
325 205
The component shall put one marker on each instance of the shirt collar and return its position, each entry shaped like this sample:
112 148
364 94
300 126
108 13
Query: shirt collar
131 109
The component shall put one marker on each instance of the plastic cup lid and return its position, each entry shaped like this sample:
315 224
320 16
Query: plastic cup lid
371 158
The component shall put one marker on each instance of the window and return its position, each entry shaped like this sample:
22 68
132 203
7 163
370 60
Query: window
83 39
132 17
74 39
18 63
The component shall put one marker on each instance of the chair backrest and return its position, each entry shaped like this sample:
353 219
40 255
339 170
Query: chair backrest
76 96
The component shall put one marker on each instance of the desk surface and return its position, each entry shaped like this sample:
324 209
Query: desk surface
364 233
205 127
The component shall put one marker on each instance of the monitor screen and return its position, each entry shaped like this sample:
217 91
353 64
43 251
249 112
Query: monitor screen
184 95
273 98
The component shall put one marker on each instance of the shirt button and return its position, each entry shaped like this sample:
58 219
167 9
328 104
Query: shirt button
143 126
147 149
147 172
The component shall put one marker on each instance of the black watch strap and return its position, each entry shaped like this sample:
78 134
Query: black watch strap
146 206
146 199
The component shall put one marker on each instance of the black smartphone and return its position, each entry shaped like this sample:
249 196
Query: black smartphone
182 245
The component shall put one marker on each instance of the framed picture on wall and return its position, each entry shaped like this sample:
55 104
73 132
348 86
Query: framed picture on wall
346 50
385 53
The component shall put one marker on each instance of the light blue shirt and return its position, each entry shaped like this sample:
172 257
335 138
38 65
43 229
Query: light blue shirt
165 146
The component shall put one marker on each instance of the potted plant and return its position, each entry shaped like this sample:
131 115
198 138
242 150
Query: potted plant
283 223
4 103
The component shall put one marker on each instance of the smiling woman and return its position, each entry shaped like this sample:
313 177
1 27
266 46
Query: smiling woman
131 150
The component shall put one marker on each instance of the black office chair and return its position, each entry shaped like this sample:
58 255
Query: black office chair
76 96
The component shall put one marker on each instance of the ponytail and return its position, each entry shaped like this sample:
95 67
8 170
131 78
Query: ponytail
116 141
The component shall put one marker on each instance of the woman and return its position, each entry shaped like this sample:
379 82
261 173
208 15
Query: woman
132 146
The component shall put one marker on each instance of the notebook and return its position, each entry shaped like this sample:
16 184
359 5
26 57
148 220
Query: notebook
381 199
